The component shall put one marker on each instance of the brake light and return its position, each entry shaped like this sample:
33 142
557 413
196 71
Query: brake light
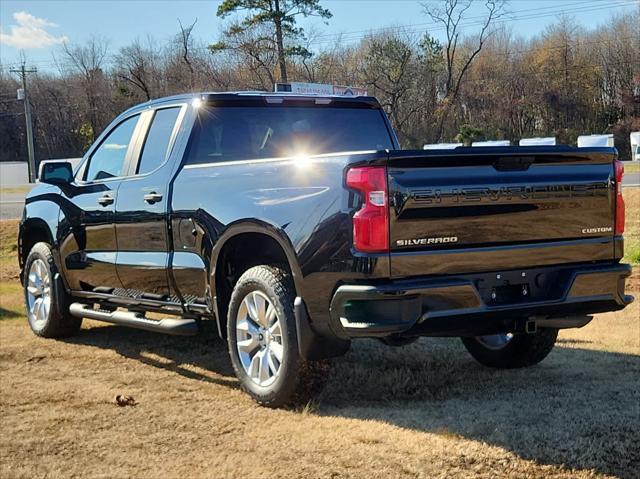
371 222
618 168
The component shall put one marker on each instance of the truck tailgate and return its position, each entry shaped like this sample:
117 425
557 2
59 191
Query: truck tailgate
474 209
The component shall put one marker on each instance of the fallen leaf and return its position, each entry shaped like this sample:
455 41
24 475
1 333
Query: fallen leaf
123 401
35 359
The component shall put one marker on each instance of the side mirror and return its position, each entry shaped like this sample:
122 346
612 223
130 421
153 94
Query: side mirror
56 172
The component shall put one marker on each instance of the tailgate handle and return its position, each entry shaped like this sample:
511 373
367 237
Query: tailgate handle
513 163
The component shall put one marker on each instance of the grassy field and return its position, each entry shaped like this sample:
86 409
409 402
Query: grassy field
12 190
631 167
15 189
425 410
632 226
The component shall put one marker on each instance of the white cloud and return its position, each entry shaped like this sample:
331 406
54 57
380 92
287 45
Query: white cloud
30 32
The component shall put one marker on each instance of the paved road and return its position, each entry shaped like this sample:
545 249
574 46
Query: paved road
11 210
12 202
631 179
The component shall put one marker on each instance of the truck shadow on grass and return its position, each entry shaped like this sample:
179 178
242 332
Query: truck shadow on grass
9 314
580 408
206 351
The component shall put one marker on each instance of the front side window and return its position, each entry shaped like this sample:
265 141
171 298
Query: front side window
154 151
108 160
244 133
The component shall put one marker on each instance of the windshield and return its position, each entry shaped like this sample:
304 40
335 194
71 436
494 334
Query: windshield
242 133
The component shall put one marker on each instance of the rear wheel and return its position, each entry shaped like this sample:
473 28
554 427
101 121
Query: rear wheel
509 350
399 341
261 332
46 302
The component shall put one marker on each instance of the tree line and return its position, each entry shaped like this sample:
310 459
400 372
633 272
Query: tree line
491 83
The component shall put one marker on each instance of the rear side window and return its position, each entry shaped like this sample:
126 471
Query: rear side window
154 151
244 133
108 160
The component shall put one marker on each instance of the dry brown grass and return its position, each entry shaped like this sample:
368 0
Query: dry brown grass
631 167
632 225
8 250
426 410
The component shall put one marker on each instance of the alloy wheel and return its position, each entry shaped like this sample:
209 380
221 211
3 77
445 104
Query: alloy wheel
38 293
259 338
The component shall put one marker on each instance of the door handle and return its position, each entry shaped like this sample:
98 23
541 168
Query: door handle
152 197
105 200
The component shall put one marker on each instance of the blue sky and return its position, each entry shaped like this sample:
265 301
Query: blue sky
38 27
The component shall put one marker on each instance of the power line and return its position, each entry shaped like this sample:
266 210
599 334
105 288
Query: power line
403 28
426 24
350 37
524 14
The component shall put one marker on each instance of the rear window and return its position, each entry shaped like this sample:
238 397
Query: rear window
244 133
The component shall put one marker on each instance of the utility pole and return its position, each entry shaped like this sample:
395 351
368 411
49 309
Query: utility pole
27 116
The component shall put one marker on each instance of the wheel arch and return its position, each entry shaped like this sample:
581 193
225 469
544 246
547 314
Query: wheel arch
269 244
40 220
32 231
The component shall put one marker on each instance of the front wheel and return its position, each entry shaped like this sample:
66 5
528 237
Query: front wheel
46 302
261 332
508 350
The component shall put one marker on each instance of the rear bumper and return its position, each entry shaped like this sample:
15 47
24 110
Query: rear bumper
479 303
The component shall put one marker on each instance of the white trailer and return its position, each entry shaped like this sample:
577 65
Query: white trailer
538 141
595 140
441 146
14 173
635 145
492 143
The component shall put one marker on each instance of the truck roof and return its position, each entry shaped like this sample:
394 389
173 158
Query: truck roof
261 97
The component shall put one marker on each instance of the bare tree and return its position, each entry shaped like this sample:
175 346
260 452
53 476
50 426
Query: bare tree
451 14
88 61
390 68
185 41
137 65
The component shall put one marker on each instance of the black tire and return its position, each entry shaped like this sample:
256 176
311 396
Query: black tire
521 351
399 341
56 322
294 380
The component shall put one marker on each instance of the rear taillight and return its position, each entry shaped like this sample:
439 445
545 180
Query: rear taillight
371 222
618 168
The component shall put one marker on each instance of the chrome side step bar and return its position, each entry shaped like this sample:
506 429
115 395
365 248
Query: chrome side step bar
175 326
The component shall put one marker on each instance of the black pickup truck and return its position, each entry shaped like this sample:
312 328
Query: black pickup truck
296 224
